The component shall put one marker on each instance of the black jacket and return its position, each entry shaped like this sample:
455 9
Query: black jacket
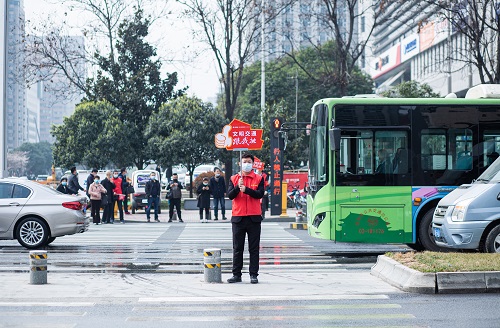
63 189
109 186
73 184
204 200
153 188
125 183
218 188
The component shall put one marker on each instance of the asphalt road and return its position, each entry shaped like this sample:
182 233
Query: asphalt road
151 275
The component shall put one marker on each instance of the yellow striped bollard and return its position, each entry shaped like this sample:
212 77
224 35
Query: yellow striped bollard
211 262
38 267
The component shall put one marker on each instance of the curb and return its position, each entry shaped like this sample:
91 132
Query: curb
410 280
298 226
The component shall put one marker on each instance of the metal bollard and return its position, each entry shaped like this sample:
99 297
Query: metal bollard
38 267
211 262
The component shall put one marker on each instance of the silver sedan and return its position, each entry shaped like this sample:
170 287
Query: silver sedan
36 214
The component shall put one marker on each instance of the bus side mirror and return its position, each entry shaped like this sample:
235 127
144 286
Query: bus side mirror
334 139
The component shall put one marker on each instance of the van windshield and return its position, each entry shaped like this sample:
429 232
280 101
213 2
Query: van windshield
492 173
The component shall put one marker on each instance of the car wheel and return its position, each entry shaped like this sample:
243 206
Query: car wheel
50 240
492 242
32 233
425 234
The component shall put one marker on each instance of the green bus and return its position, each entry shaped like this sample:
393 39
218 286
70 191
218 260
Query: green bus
379 166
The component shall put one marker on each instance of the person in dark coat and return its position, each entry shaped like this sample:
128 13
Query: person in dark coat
63 186
153 189
204 199
73 184
218 189
107 214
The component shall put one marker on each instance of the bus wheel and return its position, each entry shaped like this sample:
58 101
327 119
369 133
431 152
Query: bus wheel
492 243
417 247
425 235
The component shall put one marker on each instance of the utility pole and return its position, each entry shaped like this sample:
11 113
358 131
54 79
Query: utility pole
3 112
296 99
262 68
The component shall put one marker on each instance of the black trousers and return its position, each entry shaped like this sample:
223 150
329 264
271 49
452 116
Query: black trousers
96 207
177 203
246 227
107 213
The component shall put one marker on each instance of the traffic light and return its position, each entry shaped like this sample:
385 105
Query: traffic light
277 136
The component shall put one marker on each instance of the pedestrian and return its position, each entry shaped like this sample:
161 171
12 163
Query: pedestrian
153 189
174 187
246 190
118 195
96 190
90 180
126 182
63 186
264 202
73 184
203 192
218 189
107 214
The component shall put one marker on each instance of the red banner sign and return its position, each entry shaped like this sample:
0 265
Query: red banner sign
239 135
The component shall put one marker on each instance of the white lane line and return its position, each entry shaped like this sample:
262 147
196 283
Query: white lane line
262 298
11 304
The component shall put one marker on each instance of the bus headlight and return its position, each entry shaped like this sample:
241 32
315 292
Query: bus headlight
458 213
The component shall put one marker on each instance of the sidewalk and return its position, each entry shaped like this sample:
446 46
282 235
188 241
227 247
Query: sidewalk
284 285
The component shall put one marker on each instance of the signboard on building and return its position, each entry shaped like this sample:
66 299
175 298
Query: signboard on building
432 33
410 47
387 61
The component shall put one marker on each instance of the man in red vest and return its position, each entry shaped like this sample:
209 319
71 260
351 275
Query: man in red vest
246 190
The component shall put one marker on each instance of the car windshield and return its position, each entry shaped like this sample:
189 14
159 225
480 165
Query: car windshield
492 173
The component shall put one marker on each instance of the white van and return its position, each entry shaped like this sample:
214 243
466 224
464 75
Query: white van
469 216
139 179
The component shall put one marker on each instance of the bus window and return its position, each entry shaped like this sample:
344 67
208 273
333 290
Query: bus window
433 149
370 157
491 147
460 149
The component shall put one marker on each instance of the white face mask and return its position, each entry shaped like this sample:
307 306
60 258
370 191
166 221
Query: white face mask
217 175
246 167
115 175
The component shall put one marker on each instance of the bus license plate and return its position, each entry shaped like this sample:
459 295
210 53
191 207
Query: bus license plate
437 232
144 201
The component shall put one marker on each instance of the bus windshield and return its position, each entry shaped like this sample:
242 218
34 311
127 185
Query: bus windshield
318 145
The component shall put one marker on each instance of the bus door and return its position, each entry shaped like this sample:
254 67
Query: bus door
373 186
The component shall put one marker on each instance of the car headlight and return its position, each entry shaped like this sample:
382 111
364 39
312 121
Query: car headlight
459 210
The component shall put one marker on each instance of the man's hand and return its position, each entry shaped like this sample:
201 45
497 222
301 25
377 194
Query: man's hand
241 185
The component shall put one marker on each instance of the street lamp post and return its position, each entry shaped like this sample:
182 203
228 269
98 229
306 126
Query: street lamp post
262 69
296 99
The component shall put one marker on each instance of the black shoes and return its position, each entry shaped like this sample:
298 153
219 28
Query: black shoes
234 279
157 220
216 219
180 220
224 218
253 280
169 221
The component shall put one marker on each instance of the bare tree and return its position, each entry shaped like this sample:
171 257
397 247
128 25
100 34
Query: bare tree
63 61
231 30
342 20
478 24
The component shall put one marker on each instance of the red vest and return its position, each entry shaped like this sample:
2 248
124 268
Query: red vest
243 204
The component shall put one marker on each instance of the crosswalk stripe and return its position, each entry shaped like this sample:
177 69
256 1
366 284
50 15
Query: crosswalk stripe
274 318
270 307
65 304
263 298
42 314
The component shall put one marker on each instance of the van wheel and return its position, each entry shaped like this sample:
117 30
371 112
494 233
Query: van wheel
425 235
492 243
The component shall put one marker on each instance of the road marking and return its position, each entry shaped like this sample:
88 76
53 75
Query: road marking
31 325
41 314
269 307
275 318
262 298
26 304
